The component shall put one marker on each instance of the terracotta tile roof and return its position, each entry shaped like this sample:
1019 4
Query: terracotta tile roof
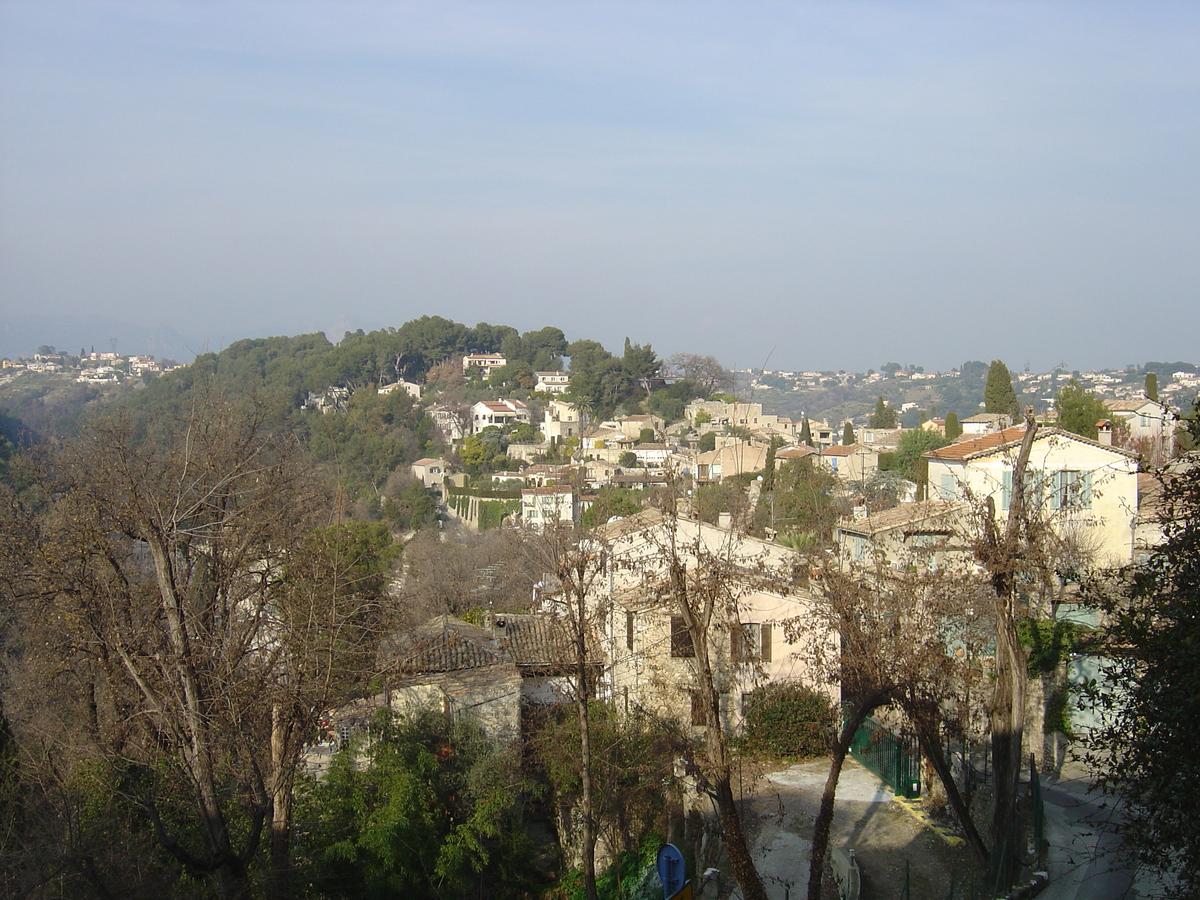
527 640
985 443
444 644
839 450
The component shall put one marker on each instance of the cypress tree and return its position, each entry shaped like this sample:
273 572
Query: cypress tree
1152 385
768 482
953 428
806 433
847 434
998 393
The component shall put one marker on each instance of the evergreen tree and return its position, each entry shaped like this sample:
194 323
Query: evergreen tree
848 434
953 428
768 482
998 393
1079 410
1152 385
806 433
883 416
1145 751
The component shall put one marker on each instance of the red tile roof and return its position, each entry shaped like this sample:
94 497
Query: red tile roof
982 444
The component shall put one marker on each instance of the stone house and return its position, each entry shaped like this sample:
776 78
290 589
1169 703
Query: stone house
651 661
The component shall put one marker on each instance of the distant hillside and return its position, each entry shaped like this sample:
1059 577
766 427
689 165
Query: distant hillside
21 335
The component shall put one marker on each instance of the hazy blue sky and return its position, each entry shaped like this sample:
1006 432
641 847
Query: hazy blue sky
847 183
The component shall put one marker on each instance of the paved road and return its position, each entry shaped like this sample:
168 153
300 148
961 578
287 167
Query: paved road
787 805
1084 833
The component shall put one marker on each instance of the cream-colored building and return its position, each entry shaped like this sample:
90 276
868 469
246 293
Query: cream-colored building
1088 490
651 659
856 462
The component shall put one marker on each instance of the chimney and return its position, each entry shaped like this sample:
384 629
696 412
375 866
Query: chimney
1104 432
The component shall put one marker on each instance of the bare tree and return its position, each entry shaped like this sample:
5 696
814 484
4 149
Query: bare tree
573 560
182 555
1001 551
702 575
891 652
706 371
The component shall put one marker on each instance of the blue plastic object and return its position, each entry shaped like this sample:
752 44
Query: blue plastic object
671 870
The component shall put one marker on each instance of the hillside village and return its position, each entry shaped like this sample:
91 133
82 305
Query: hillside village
665 545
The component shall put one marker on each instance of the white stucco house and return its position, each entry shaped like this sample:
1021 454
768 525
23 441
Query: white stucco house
1088 489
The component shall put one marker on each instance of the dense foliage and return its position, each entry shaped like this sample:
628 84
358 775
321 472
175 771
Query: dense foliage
999 396
1079 410
913 445
788 720
1149 747
419 808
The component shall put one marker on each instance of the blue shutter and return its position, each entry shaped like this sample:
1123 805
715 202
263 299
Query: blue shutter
1085 490
1006 489
948 487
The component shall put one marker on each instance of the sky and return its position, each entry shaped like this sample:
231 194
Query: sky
783 185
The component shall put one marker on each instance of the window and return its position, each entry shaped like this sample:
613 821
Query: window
629 622
1071 490
681 639
750 642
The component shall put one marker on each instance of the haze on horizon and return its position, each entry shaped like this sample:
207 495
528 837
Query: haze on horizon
830 185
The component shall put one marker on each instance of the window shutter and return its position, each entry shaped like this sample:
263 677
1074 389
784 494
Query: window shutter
1006 489
948 490
765 646
1085 490
735 642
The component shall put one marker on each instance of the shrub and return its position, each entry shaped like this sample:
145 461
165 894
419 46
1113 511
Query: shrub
787 720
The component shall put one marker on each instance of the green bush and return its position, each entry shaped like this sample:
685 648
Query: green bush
787 720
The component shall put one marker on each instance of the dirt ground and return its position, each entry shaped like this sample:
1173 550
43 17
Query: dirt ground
884 836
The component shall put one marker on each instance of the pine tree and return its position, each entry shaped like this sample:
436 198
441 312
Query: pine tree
953 428
1079 410
848 434
998 393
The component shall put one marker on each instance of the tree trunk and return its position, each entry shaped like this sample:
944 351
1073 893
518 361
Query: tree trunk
585 753
820 839
740 857
931 746
1001 556
283 772
1007 720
